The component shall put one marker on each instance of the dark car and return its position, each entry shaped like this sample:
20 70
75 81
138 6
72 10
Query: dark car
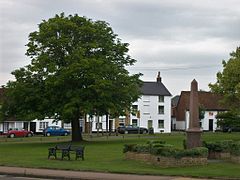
132 130
19 133
231 129
55 131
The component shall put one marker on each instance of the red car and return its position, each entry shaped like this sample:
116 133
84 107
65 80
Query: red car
19 133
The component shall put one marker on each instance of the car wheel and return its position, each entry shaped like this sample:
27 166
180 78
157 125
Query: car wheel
48 134
144 131
65 134
29 135
12 135
126 132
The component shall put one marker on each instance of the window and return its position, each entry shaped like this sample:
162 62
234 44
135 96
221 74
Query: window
134 110
160 109
146 109
160 98
160 123
150 122
134 122
43 125
98 125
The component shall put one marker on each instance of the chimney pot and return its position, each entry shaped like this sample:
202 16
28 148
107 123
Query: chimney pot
159 79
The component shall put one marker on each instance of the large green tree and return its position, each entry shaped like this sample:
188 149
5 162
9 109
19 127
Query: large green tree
228 85
77 67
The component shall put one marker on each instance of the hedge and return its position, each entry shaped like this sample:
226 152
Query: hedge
166 150
224 146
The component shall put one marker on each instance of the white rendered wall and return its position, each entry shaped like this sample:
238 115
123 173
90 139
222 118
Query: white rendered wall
205 121
50 123
148 106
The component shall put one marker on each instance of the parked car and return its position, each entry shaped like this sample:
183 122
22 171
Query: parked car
55 131
132 130
231 129
19 133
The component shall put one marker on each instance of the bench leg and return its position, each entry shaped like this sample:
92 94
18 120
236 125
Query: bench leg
65 153
79 154
52 152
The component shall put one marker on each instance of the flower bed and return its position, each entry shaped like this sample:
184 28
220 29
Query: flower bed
165 155
226 150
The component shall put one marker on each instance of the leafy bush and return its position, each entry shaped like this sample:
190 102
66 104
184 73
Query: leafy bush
179 153
141 149
214 146
164 151
167 150
194 152
224 146
235 148
128 147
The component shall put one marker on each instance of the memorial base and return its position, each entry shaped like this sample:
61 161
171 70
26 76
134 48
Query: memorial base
193 138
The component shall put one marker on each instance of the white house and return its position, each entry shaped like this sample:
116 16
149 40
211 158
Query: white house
153 108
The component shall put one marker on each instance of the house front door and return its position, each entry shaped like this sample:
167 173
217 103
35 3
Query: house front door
210 124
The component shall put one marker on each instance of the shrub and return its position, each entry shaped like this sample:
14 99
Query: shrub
195 152
235 148
214 146
128 147
141 149
164 151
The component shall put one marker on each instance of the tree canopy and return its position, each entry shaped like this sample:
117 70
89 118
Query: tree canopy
78 66
228 85
228 81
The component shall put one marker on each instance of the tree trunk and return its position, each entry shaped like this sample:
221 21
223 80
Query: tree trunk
76 134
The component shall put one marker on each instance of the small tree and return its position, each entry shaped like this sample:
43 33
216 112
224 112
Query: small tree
228 85
77 68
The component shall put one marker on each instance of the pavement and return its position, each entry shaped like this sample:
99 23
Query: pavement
83 175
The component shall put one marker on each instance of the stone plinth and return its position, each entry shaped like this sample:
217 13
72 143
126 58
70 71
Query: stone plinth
193 138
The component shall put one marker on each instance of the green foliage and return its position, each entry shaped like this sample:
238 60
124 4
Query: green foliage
128 147
77 67
167 150
228 81
179 153
235 148
194 152
228 119
217 146
224 146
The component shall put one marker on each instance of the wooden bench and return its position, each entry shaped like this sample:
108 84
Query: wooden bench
65 150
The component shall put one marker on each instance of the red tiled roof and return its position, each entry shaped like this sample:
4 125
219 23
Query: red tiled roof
210 101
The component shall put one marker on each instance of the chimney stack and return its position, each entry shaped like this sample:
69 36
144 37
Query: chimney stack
159 79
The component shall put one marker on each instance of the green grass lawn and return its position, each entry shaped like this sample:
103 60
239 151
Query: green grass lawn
105 154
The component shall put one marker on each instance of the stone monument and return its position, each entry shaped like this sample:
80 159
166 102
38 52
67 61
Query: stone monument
194 132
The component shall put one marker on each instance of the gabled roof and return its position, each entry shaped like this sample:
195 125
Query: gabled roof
209 100
154 88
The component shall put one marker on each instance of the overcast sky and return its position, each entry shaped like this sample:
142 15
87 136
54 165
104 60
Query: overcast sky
183 39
